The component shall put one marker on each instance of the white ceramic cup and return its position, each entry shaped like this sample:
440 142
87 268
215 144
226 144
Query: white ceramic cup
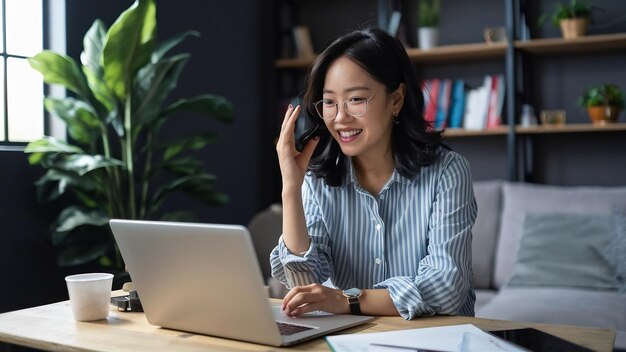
90 295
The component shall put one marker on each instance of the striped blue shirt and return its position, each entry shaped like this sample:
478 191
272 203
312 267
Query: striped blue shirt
414 239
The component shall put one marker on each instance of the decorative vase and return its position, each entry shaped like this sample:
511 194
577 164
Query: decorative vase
428 37
574 27
603 114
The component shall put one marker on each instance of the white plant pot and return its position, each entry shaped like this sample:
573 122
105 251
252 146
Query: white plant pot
428 37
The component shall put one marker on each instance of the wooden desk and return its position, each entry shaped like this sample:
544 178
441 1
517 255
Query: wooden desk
51 327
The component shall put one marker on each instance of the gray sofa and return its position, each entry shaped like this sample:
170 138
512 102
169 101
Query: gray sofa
507 290
544 285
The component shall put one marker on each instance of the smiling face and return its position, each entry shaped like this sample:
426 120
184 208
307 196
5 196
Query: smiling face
367 136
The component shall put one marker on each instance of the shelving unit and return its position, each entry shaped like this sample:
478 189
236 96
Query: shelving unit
519 140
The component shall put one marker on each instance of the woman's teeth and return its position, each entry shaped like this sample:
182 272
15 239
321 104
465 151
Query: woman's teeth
348 134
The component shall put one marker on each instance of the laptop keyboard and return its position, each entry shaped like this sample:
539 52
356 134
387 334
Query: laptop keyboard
290 329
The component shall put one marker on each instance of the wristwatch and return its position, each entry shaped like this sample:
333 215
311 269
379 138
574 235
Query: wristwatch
353 294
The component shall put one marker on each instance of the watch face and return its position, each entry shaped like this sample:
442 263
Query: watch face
352 292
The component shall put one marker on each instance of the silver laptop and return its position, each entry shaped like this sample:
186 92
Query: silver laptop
205 278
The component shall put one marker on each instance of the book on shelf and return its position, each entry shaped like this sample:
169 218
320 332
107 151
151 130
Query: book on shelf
304 44
443 104
457 105
496 101
477 106
430 90
394 23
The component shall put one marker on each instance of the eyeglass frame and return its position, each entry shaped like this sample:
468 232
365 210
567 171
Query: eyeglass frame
345 107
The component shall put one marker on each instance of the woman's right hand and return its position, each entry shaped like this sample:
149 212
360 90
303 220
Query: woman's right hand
293 165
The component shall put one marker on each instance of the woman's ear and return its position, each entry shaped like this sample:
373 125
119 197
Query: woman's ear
398 97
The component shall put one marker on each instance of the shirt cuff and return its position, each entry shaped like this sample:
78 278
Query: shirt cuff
406 297
298 268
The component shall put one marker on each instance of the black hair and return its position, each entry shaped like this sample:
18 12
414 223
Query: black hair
414 143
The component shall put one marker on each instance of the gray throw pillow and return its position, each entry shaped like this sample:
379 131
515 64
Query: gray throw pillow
615 252
565 250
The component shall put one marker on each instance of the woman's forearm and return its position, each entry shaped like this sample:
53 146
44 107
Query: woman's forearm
295 233
377 302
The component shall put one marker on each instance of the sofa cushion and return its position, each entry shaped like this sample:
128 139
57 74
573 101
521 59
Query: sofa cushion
483 297
485 231
565 250
521 198
565 306
616 250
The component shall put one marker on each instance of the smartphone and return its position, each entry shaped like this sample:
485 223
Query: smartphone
537 340
306 127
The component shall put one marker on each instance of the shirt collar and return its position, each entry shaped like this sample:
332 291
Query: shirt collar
350 177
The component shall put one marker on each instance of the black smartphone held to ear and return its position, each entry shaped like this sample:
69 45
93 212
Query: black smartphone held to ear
306 127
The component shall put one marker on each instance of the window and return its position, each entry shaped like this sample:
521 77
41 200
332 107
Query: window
21 87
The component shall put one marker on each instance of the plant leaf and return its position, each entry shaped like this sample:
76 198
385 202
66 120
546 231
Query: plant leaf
153 84
84 163
198 186
73 217
164 47
93 42
91 58
81 120
185 166
195 142
129 45
82 244
60 69
56 182
208 104
46 145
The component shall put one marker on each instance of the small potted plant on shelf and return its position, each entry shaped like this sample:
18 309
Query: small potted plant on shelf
573 18
428 24
603 102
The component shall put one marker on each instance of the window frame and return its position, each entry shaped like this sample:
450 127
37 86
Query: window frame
54 38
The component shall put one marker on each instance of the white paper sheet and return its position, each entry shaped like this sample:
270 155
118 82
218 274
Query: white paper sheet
454 338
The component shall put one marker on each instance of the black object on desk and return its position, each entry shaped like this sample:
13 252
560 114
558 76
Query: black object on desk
128 303
537 340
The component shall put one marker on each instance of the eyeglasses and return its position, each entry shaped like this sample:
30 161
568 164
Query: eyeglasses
355 106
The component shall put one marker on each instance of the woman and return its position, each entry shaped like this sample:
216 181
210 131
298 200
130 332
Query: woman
385 211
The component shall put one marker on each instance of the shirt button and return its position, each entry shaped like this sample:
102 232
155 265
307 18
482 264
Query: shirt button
378 227
377 261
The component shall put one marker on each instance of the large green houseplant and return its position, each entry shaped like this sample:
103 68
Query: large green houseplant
116 163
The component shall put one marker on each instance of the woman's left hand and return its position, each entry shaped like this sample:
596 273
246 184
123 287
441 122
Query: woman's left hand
310 298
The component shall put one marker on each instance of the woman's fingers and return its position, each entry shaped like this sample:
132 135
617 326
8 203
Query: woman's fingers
290 120
304 299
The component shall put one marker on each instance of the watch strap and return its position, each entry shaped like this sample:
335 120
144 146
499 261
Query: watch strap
355 307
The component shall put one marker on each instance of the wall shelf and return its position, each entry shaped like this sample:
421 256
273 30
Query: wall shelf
440 54
586 44
458 52
296 63
572 128
540 129
461 132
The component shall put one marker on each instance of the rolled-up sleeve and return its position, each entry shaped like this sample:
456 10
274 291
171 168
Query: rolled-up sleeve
443 282
312 266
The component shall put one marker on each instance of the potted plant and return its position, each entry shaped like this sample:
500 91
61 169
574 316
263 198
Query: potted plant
428 24
603 102
116 163
573 18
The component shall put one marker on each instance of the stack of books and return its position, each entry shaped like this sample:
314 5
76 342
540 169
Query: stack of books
452 104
